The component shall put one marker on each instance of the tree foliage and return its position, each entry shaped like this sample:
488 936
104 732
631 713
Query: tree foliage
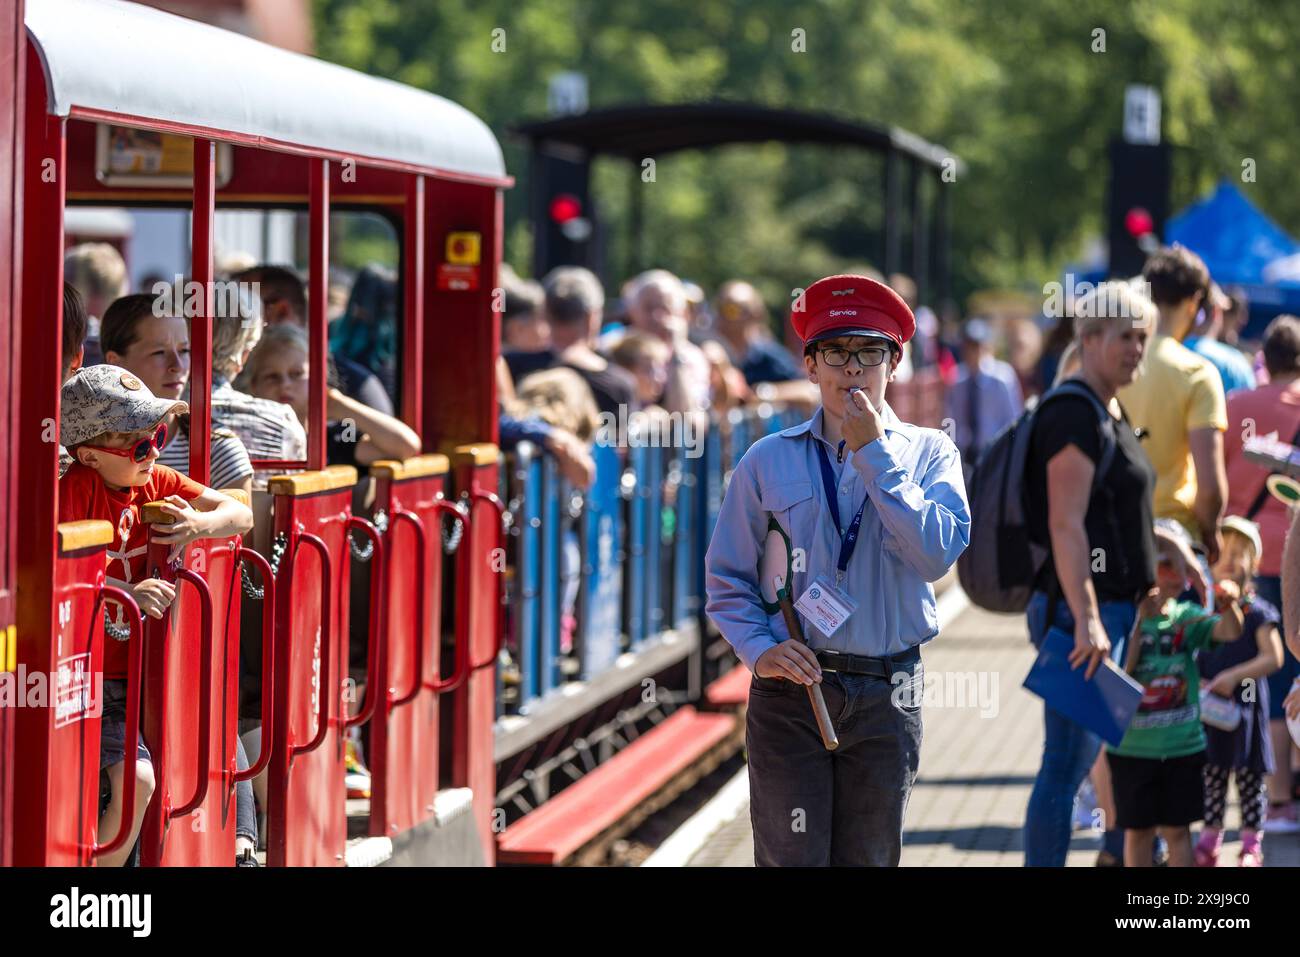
1022 91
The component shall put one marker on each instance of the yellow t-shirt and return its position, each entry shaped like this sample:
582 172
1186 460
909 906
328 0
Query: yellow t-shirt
1177 392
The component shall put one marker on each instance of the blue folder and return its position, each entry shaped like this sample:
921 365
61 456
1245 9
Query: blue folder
1105 705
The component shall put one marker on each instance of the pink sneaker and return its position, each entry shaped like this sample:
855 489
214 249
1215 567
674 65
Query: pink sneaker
1206 851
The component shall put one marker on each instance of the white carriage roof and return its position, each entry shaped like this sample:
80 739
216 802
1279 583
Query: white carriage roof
119 57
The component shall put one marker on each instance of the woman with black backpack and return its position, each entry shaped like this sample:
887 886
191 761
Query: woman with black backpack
1097 529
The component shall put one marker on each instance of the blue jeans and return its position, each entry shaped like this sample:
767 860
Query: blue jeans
1068 749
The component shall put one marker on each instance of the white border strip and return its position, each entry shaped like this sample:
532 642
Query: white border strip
685 842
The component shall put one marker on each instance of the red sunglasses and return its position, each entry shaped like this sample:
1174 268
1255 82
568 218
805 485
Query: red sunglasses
140 451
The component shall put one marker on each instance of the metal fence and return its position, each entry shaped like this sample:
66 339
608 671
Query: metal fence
595 574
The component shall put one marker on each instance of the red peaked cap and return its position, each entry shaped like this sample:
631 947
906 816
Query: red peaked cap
852 306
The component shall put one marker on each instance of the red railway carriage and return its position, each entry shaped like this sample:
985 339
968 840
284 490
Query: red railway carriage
108 103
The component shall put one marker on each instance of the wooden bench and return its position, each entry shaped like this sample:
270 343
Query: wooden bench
729 692
587 808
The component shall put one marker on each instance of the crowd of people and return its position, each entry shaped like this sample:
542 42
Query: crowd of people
1164 552
1142 462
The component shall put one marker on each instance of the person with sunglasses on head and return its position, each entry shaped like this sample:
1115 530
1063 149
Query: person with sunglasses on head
876 510
111 424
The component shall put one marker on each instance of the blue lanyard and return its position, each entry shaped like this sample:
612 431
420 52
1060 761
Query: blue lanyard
848 539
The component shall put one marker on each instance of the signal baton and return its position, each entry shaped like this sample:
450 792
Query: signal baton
815 697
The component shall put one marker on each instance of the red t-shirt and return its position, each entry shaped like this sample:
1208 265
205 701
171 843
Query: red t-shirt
83 495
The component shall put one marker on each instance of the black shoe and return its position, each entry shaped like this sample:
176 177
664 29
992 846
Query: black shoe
247 859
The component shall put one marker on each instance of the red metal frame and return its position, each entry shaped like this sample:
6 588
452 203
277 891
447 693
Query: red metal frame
473 704
449 396
39 802
281 146
460 400
12 59
306 823
404 743
201 269
191 709
318 215
413 301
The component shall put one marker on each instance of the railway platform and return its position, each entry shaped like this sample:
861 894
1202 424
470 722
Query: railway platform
978 762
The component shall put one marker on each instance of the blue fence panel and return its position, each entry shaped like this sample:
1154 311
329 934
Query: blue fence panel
636 553
602 575
654 487
530 582
684 543
548 663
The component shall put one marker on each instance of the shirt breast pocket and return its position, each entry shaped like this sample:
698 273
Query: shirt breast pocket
795 510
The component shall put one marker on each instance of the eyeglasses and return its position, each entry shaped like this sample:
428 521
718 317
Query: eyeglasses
140 451
868 357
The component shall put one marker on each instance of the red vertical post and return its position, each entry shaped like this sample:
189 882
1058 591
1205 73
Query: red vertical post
201 243
412 407
12 52
318 278
44 172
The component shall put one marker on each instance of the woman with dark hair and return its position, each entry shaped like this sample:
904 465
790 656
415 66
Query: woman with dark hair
367 333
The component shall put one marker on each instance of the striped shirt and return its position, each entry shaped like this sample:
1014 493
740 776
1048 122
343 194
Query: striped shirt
229 462
268 429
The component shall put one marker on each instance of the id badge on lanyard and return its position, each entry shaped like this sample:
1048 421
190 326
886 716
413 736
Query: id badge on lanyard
826 603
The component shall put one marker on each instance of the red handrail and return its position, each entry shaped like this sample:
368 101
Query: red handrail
461 669
205 694
133 670
327 656
377 617
421 570
268 661
476 497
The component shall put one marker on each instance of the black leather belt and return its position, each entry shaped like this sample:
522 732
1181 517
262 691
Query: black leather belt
862 665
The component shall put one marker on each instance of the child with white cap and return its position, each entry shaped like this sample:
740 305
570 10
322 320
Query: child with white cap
112 427
1239 747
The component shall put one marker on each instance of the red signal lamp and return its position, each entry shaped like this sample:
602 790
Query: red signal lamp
565 207
1138 222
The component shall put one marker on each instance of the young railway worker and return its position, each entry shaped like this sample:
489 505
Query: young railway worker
875 510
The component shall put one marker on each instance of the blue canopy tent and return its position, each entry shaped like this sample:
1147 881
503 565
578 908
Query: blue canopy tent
1237 242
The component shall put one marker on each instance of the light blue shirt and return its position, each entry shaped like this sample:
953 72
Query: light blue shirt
997 390
1234 368
915 524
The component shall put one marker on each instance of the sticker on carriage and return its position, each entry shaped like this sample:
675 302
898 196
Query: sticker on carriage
74 696
457 278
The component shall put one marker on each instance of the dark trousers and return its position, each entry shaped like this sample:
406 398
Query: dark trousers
812 807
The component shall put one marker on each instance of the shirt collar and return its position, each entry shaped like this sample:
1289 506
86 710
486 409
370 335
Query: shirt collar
893 425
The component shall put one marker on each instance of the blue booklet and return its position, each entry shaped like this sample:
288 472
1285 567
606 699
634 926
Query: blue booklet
1105 705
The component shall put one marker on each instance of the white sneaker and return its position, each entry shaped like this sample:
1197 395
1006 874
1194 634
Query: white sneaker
1281 819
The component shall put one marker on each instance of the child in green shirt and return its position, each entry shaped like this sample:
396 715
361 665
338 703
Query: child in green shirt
1156 769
